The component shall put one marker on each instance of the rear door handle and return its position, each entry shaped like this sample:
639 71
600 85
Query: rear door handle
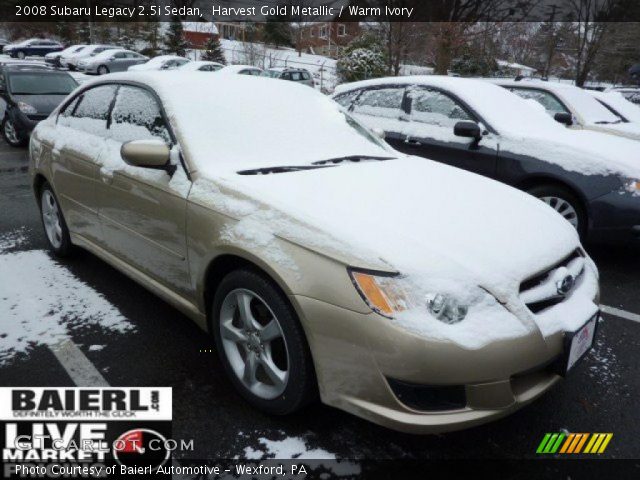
414 143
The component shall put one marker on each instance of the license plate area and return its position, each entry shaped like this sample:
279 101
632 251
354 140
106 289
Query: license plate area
577 344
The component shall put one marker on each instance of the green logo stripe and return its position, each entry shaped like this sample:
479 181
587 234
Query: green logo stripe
543 443
550 443
557 444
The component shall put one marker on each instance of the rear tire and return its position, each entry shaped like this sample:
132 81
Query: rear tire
261 343
565 203
53 222
11 135
21 55
103 70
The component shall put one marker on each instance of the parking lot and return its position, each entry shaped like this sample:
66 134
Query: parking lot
111 331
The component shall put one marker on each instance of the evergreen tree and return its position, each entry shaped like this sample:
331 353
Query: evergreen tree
277 32
213 51
174 38
363 58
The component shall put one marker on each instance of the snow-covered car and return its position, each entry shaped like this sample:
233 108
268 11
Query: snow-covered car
113 60
590 178
630 93
162 62
299 75
618 104
201 66
53 58
88 52
33 47
573 107
242 70
416 295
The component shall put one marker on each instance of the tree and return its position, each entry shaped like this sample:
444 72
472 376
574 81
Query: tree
213 51
470 65
276 32
174 38
363 58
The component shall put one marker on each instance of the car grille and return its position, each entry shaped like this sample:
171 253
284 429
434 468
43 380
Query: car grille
553 285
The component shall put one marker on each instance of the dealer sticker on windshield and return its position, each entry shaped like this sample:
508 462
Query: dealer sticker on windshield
580 341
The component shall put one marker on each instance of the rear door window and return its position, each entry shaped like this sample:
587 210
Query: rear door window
436 108
380 102
90 111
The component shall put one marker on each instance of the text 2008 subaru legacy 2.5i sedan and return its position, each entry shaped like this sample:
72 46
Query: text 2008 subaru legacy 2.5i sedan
407 292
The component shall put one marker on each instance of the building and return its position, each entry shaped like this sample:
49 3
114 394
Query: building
515 69
199 33
327 38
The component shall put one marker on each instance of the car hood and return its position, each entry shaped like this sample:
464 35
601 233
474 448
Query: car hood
629 130
44 104
421 218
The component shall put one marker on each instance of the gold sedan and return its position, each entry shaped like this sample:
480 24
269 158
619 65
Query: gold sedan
324 263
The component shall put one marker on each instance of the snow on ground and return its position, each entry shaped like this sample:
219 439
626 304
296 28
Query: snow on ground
13 239
43 303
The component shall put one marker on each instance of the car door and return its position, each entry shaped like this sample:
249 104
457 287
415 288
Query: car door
130 58
432 116
143 210
118 62
381 108
77 157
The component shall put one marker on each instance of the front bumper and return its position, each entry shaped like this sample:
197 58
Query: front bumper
615 218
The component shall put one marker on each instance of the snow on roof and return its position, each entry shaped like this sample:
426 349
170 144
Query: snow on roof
195 65
256 122
201 27
515 66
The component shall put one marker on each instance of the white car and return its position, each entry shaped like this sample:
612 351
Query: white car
162 62
71 62
70 52
618 104
242 70
201 66
53 58
573 106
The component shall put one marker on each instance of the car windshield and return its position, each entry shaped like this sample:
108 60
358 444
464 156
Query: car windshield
592 111
271 73
41 84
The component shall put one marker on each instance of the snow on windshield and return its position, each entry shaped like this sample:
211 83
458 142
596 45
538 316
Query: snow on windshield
591 111
256 122
620 104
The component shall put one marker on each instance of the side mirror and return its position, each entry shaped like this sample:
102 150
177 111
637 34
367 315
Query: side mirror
467 129
564 118
378 132
147 154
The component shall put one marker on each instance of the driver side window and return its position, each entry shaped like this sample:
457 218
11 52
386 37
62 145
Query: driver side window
436 108
137 116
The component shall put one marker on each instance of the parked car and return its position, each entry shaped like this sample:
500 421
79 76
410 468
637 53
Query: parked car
299 75
618 105
87 53
34 47
163 62
242 70
53 58
573 107
111 61
3 43
71 52
29 96
630 93
201 66
590 178
407 292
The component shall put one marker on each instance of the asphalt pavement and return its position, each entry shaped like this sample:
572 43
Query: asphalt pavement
163 348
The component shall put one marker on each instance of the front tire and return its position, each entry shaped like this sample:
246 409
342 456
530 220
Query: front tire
103 70
565 203
55 226
11 135
21 55
261 343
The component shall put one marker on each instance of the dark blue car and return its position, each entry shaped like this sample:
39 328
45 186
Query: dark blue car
33 47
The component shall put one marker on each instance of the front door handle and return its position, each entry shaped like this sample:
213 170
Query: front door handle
414 143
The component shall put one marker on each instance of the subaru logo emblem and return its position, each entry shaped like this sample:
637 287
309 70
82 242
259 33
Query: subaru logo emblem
565 285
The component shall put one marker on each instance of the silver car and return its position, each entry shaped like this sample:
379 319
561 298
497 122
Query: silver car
298 75
111 61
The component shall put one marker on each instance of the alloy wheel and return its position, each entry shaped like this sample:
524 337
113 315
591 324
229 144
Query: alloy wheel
254 343
102 70
10 132
21 55
51 219
564 208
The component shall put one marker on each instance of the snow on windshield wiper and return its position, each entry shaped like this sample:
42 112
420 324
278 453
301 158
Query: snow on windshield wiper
350 158
282 169
606 122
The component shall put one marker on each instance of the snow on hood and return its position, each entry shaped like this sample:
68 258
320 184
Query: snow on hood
628 129
424 219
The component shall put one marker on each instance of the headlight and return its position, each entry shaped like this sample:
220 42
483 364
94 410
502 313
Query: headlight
26 108
632 186
391 294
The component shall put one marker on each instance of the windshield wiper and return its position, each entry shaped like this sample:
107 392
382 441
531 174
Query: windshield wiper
606 122
282 169
350 158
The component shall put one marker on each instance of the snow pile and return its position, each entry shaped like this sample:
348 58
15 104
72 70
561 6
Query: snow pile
13 239
42 303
